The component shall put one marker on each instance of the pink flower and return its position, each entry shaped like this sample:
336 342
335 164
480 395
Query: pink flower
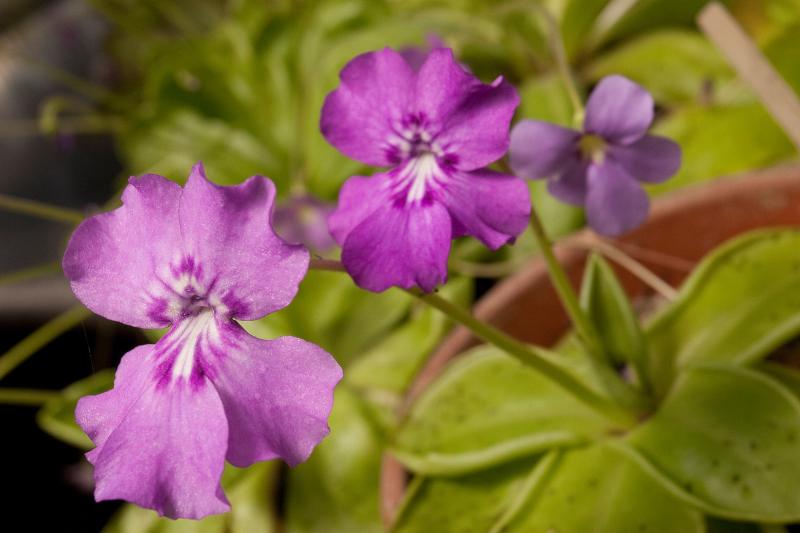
197 260
436 128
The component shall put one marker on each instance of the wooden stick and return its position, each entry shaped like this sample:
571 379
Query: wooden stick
751 65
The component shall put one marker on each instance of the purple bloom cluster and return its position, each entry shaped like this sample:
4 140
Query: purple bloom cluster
196 259
199 258
601 166
436 128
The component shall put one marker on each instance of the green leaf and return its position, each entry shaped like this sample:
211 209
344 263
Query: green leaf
738 305
488 408
691 67
336 490
392 364
172 144
712 139
473 502
607 306
646 15
726 440
599 490
251 493
545 98
330 310
57 417
577 21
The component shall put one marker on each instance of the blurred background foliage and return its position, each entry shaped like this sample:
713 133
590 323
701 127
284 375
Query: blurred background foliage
239 85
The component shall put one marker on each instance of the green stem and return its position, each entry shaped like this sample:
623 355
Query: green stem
29 273
40 209
556 44
28 346
582 324
622 391
27 396
530 356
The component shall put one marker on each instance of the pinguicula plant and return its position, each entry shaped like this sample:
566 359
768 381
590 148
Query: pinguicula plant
672 424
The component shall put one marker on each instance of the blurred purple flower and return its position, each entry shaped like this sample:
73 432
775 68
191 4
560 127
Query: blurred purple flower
437 128
197 260
303 220
602 166
416 55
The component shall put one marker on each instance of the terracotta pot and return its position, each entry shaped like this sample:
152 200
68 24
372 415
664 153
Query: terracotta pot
682 228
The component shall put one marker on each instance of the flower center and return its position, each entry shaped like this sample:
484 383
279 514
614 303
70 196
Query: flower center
185 291
413 181
593 148
186 342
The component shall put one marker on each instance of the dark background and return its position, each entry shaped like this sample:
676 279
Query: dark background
47 483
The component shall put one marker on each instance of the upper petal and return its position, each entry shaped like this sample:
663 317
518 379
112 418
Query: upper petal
541 149
228 231
470 119
112 260
402 245
160 444
619 110
652 158
359 197
363 113
616 203
277 395
488 205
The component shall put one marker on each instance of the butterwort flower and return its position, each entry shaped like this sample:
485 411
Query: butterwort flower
436 128
603 166
196 259
303 219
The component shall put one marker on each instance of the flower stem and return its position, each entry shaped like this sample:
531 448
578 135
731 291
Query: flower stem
27 396
28 346
556 44
622 391
40 209
17 276
531 356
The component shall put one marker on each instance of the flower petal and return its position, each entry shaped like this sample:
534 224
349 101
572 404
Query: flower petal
471 118
651 159
360 116
99 415
541 149
228 231
359 197
277 395
402 245
616 203
570 186
619 110
160 445
112 258
488 205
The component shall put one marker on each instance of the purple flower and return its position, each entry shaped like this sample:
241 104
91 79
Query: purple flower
601 166
303 219
196 259
437 128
